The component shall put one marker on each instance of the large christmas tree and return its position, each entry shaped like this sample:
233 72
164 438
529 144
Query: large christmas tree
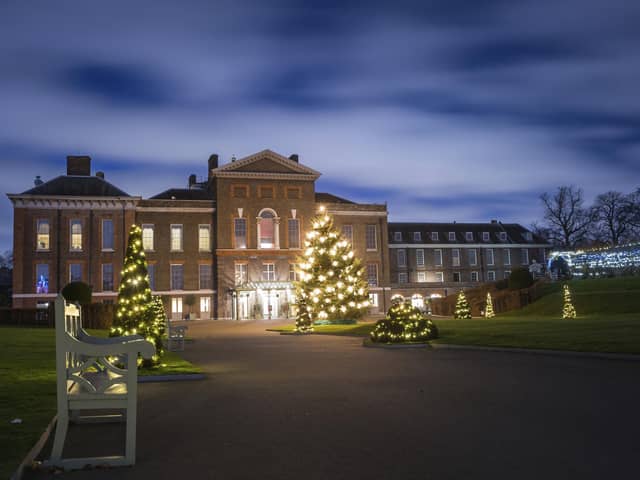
463 310
135 313
568 310
488 311
332 285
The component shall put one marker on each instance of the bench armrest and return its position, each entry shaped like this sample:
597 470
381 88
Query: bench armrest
133 346
86 337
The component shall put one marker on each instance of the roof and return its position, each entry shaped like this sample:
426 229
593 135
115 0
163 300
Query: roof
266 163
185 194
323 197
515 233
77 186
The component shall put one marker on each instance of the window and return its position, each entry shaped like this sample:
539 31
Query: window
474 276
151 272
147 237
469 236
347 233
205 305
177 277
417 237
240 191
76 235
294 233
204 277
528 236
503 236
491 276
42 278
525 256
268 272
176 305
372 274
490 260
293 273
417 301
473 256
422 277
266 227
485 236
373 299
371 237
402 257
455 257
452 236
437 257
434 236
507 256
420 257
241 273
240 232
204 238
107 277
397 236
75 272
266 192
107 234
176 238
294 193
507 274
402 277
439 277
42 235
457 277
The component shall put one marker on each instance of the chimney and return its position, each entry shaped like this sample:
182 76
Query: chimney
100 175
192 180
213 162
79 165
494 221
294 157
38 181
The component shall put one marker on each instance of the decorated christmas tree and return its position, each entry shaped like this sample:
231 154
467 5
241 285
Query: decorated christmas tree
463 310
488 311
332 285
135 313
568 310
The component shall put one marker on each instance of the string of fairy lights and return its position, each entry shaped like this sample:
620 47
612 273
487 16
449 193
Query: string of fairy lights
603 258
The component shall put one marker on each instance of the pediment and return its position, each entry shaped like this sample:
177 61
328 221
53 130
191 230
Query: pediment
265 162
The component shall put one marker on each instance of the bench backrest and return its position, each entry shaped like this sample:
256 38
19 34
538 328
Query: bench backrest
68 324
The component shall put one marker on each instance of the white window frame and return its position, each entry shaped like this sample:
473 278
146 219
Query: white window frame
296 222
490 254
73 236
491 276
452 236
459 275
204 244
422 277
369 227
372 267
439 277
397 236
268 274
70 272
524 256
146 240
485 236
43 221
503 236
507 256
112 277
455 257
468 236
241 271
420 257
151 273
434 236
205 305
236 221
417 236
437 257
176 305
106 248
171 285
176 227
402 257
403 277
347 232
373 299
473 261
210 280
474 276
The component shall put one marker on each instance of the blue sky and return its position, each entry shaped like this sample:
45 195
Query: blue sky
447 110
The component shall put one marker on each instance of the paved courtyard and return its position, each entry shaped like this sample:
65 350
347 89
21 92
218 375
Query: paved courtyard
323 407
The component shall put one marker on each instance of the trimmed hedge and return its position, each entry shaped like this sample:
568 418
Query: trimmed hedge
77 292
520 278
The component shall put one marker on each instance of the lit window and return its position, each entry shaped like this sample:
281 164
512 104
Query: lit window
240 232
42 278
417 237
417 301
107 234
268 272
294 233
42 236
452 236
437 257
373 299
402 277
434 236
490 260
176 305
75 272
107 277
473 256
241 273
371 237
204 238
266 227
422 277
469 236
176 238
397 236
420 257
76 235
177 277
402 257
204 277
372 274
439 277
485 236
293 273
455 257
507 256
347 232
147 237
205 305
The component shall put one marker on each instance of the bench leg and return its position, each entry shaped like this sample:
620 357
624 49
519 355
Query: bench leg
62 426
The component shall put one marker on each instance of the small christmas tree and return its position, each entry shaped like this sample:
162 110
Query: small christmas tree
135 313
332 285
488 311
568 310
463 310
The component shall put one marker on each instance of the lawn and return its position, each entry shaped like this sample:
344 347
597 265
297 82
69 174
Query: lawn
28 388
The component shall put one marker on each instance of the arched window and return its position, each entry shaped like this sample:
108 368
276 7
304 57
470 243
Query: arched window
268 229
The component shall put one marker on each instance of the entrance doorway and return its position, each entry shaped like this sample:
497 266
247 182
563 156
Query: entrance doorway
270 304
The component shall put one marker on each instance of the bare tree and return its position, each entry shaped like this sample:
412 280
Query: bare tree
567 221
613 213
6 259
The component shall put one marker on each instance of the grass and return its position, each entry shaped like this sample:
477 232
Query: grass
28 388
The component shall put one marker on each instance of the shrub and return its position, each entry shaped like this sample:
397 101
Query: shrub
404 323
77 292
502 284
338 321
520 278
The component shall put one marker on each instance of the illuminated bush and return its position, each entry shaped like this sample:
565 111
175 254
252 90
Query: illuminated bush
404 323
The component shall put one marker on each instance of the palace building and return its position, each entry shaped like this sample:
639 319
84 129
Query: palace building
226 247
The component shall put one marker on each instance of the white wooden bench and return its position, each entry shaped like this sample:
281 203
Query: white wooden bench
87 379
175 336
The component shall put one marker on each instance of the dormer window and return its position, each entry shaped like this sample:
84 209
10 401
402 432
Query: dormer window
528 236
503 236
417 237
452 236
397 236
469 236
485 236
434 236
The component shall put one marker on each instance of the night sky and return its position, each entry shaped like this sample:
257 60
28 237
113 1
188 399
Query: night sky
447 110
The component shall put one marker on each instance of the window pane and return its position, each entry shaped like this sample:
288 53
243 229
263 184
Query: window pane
293 273
402 257
205 304
205 277
371 237
177 277
347 233
402 277
107 234
241 273
176 305
372 274
147 237
42 236
525 256
266 230
240 232
151 271
75 272
420 257
76 235
473 257
455 257
507 256
204 244
107 277
417 236
294 233
437 257
42 278
489 256
176 237
268 272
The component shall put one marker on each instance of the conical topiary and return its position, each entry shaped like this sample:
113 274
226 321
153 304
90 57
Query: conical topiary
568 310
488 311
463 310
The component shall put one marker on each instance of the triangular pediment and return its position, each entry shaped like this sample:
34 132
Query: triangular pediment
265 162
